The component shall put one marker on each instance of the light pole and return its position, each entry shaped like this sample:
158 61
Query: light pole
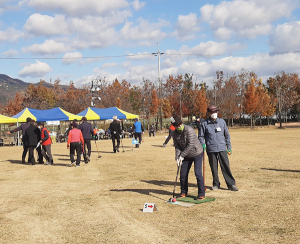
159 82
94 90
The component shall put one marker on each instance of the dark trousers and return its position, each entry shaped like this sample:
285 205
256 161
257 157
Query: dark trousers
25 149
87 147
46 152
31 158
222 157
169 137
75 146
115 138
138 135
151 132
184 174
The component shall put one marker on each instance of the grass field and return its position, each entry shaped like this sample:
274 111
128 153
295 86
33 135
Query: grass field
102 202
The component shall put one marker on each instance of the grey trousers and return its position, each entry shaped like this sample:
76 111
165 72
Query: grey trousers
46 152
222 157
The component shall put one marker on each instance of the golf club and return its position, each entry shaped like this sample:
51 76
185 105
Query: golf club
178 168
204 170
97 150
122 145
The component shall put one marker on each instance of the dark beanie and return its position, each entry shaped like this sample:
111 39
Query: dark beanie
178 121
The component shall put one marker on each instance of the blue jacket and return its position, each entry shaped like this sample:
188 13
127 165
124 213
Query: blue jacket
137 127
86 129
216 135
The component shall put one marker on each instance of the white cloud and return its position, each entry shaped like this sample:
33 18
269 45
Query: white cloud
77 8
207 49
45 25
37 69
145 31
10 35
69 58
137 5
223 33
139 56
109 65
285 38
247 18
48 47
186 27
10 53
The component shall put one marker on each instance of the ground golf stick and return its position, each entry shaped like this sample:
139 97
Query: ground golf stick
176 180
122 145
97 150
204 171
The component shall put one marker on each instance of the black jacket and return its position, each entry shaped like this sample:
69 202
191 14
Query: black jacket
115 128
32 135
86 129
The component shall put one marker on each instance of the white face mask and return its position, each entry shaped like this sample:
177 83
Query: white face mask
214 115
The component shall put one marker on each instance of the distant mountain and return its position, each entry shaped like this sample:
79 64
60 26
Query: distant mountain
9 87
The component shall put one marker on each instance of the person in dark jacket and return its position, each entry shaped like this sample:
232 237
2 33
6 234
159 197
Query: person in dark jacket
188 150
116 133
214 137
33 137
23 128
138 130
46 144
87 132
152 131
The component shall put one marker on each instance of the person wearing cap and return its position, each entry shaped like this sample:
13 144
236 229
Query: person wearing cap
188 150
23 128
138 130
87 132
33 137
214 137
152 130
116 133
46 144
171 130
75 143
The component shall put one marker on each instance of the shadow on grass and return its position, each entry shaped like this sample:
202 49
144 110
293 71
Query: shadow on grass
157 146
164 183
283 170
146 192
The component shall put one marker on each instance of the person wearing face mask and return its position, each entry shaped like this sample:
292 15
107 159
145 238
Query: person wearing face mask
188 150
215 139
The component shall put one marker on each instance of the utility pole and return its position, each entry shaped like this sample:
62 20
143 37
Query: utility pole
159 82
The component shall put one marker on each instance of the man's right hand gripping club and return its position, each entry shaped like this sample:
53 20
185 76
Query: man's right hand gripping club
179 161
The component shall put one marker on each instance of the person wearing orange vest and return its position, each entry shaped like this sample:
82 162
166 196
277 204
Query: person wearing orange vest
75 143
46 144
171 130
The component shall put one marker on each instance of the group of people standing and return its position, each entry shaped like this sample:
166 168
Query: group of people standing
213 136
35 136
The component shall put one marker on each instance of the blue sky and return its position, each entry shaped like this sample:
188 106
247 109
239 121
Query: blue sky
83 40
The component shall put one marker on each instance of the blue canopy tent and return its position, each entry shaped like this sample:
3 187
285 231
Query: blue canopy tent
54 114
106 113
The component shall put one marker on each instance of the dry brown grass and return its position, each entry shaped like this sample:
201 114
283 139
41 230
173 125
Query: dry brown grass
102 202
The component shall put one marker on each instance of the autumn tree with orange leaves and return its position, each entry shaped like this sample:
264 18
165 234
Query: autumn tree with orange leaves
251 101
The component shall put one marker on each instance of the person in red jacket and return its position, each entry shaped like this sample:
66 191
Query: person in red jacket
46 144
171 130
75 143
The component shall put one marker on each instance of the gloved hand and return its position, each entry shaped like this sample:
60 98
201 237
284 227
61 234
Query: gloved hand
229 151
204 147
120 136
179 161
94 137
68 146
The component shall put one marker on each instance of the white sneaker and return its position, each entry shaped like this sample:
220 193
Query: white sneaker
77 165
73 164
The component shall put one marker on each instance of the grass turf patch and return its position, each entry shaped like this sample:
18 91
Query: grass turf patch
191 199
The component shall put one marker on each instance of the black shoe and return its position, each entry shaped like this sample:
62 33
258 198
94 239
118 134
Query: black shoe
23 161
118 150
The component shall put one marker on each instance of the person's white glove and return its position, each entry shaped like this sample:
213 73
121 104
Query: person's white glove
179 161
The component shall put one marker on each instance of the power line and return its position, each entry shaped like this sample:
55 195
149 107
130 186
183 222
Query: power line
134 55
